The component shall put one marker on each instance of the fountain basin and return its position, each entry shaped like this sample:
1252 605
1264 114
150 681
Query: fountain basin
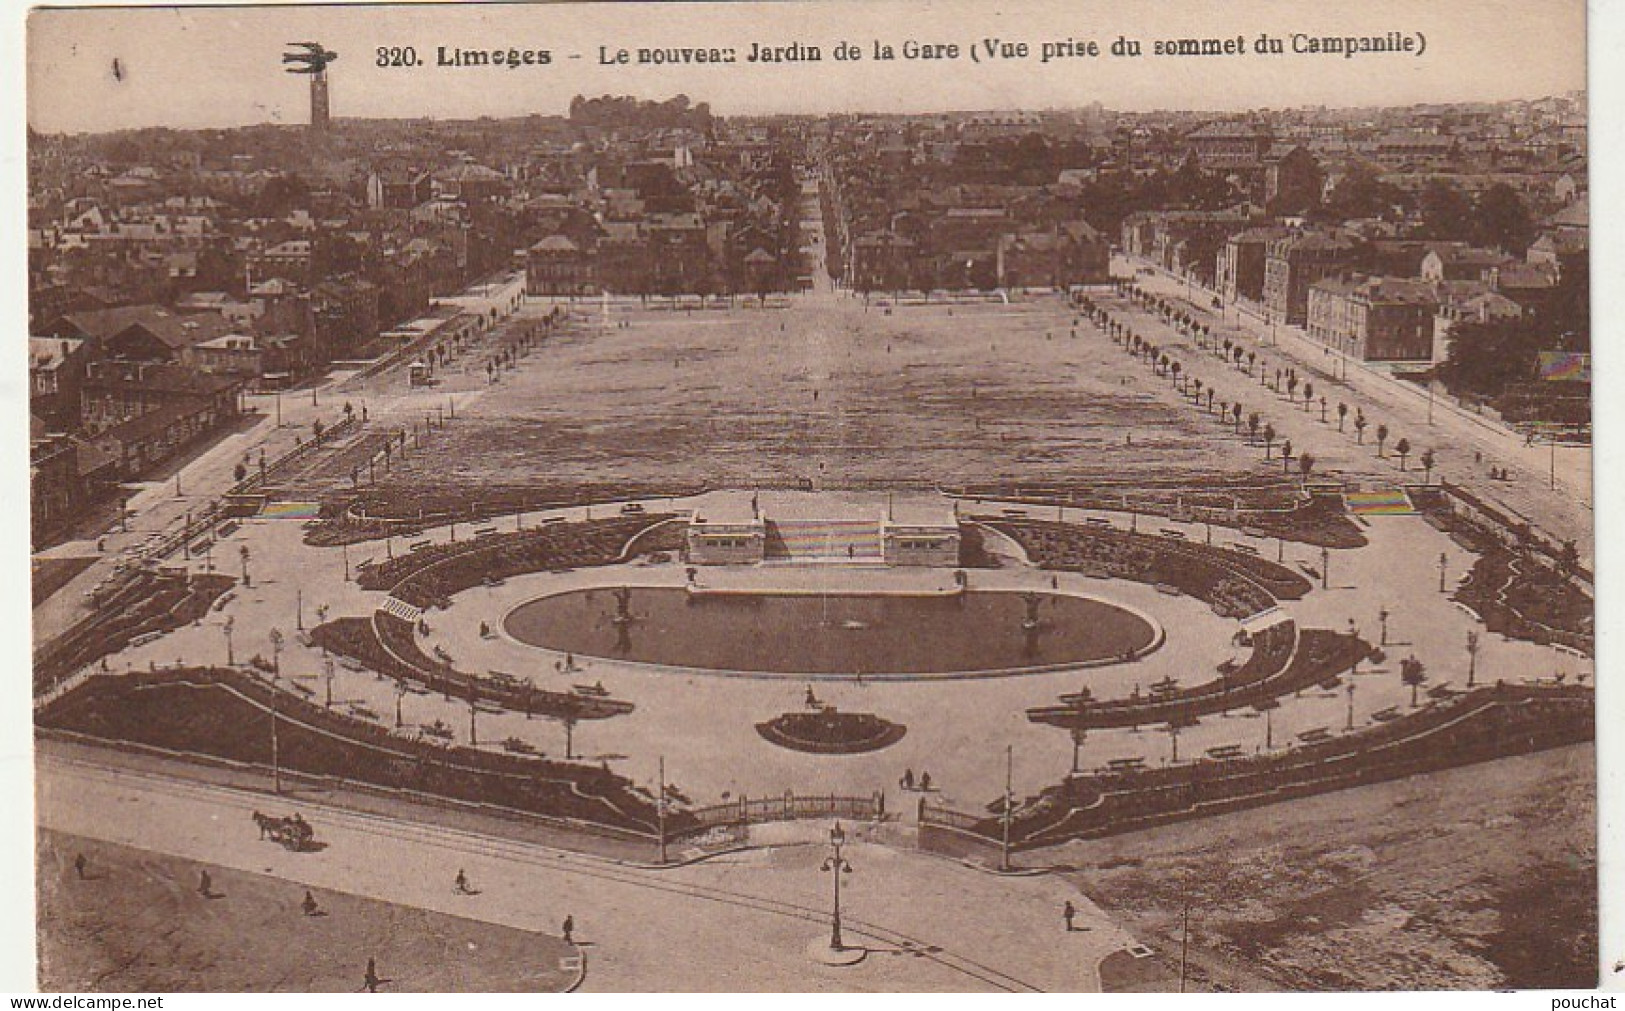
978 633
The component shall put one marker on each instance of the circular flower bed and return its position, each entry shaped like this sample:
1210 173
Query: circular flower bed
828 731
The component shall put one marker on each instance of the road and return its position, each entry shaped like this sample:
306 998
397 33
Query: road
1551 484
741 921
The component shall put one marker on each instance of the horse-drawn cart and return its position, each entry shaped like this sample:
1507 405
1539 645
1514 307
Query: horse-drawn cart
292 833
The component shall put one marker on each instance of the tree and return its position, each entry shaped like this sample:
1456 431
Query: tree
1426 460
1308 394
1382 437
1291 387
1502 219
1414 674
1253 421
1306 463
1342 412
1359 194
1235 411
1359 426
1286 455
1446 212
316 429
240 473
1403 449
1484 358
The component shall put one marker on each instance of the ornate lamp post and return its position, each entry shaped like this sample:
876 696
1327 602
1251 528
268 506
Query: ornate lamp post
1472 656
836 865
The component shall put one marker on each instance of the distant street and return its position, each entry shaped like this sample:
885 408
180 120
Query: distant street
1458 433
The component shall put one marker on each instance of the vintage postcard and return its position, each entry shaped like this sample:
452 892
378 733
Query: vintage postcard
815 496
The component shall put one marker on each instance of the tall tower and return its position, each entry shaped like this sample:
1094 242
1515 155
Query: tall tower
313 61
318 102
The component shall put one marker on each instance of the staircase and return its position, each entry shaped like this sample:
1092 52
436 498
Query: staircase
825 542
401 609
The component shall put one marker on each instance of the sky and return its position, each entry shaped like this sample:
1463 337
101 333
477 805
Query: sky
221 66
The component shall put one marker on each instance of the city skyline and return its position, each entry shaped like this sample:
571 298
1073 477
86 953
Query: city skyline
175 80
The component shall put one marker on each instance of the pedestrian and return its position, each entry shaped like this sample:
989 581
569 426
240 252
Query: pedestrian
205 885
309 905
370 981
1055 582
460 886
908 779
79 865
1069 912
925 782
569 929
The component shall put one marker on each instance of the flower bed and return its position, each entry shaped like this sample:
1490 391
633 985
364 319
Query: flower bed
146 603
429 577
1233 584
1489 723
227 714
829 731
377 512
388 645
1314 654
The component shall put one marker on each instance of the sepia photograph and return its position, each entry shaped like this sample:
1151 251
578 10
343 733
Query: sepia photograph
811 497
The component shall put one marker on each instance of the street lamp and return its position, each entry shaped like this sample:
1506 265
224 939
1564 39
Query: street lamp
1472 656
276 671
1382 620
660 808
836 865
1009 804
231 660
